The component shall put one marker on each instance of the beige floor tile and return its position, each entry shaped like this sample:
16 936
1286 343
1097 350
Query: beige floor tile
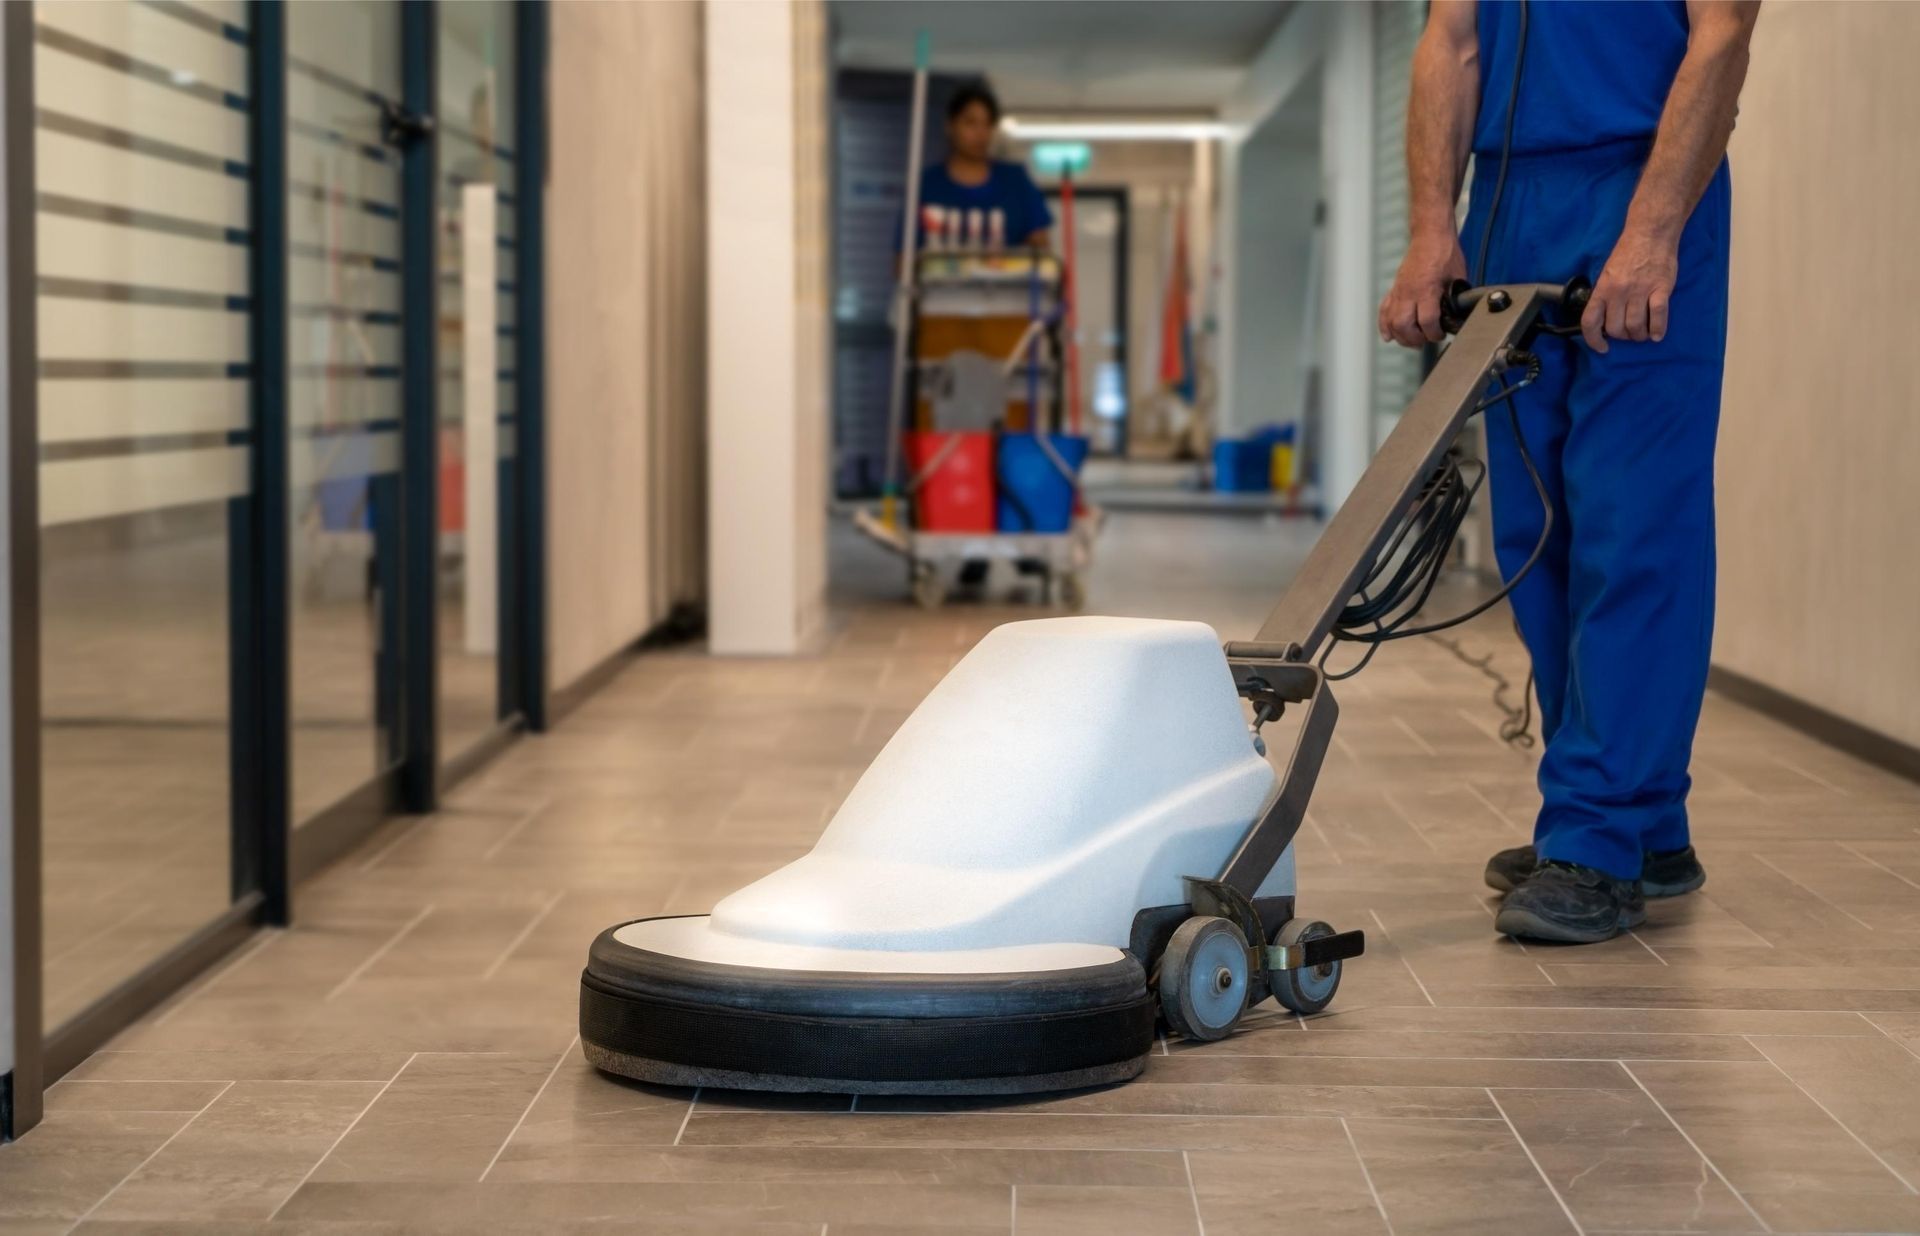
1616 1161
1455 1176
62 1169
1871 1086
1100 1210
242 1156
1761 1131
722 1210
77 1095
1825 1211
442 1119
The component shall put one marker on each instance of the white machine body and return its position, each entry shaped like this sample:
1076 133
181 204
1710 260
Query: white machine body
1066 774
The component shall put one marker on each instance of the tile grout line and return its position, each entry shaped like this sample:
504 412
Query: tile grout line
380 952
1794 1082
1193 1193
135 1170
528 1110
1528 1151
1541 967
1764 861
1013 1209
1643 944
1704 1157
1406 817
1366 1175
1388 937
540 916
405 831
684 1120
351 1125
267 936
514 831
1868 858
1882 1031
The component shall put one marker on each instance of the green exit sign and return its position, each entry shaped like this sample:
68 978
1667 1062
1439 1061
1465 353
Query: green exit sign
1062 158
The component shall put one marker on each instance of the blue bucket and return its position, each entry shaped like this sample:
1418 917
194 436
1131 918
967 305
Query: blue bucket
1241 466
1031 495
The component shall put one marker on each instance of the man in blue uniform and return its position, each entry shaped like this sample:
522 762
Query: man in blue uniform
1616 119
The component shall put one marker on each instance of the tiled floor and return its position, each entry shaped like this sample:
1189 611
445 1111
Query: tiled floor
404 1059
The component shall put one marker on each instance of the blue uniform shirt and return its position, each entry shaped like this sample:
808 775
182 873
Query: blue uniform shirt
1596 71
1007 188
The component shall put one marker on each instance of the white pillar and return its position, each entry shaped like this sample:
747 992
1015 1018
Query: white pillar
766 392
1346 157
480 420
1228 221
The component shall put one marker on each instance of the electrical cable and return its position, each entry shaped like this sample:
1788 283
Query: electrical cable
1381 607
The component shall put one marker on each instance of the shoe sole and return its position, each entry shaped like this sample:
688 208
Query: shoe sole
1499 883
1673 890
1524 923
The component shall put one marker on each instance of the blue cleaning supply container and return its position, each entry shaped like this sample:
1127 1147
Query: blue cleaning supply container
1031 494
1242 465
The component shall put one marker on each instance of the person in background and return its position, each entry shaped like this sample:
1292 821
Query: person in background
1617 172
971 179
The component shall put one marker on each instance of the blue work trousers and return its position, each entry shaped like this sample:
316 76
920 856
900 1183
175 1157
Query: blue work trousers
1618 612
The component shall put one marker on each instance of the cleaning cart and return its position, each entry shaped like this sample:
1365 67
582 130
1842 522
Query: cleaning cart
988 476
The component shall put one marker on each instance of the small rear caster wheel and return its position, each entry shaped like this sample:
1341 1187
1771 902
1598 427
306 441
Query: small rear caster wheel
1073 590
929 590
1310 990
1203 978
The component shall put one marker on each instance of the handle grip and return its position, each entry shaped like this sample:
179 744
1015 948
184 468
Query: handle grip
1462 298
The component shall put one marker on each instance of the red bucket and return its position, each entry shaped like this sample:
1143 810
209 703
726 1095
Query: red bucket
956 481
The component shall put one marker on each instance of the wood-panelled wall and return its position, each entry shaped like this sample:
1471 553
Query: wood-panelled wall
1819 462
626 324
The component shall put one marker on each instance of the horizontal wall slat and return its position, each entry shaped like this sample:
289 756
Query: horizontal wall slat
313 160
315 402
93 409
73 490
114 330
146 33
315 281
343 457
90 249
75 167
106 96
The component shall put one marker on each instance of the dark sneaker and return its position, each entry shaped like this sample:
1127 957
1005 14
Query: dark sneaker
1571 904
1664 873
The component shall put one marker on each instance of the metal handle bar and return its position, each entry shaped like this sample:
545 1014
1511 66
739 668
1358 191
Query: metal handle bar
1462 297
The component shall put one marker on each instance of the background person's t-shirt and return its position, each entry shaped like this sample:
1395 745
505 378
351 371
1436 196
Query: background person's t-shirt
1007 189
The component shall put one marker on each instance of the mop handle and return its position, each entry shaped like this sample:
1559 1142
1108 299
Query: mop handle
904 287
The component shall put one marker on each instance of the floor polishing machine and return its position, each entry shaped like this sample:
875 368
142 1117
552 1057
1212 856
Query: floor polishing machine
1075 837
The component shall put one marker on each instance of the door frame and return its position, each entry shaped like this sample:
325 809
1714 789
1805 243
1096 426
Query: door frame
1120 196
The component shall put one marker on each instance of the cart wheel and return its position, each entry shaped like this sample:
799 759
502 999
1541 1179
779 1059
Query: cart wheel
929 590
1304 991
1073 590
1203 978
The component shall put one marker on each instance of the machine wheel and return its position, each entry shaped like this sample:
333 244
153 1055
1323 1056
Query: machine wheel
1304 991
1073 590
929 590
1203 978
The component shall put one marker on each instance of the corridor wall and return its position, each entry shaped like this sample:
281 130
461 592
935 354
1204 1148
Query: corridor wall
1819 436
626 325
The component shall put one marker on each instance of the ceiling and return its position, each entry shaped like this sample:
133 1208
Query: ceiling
1129 56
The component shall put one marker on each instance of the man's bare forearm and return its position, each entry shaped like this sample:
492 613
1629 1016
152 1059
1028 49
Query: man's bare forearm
1697 119
1440 114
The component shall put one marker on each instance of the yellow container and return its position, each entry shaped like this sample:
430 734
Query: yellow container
1282 467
